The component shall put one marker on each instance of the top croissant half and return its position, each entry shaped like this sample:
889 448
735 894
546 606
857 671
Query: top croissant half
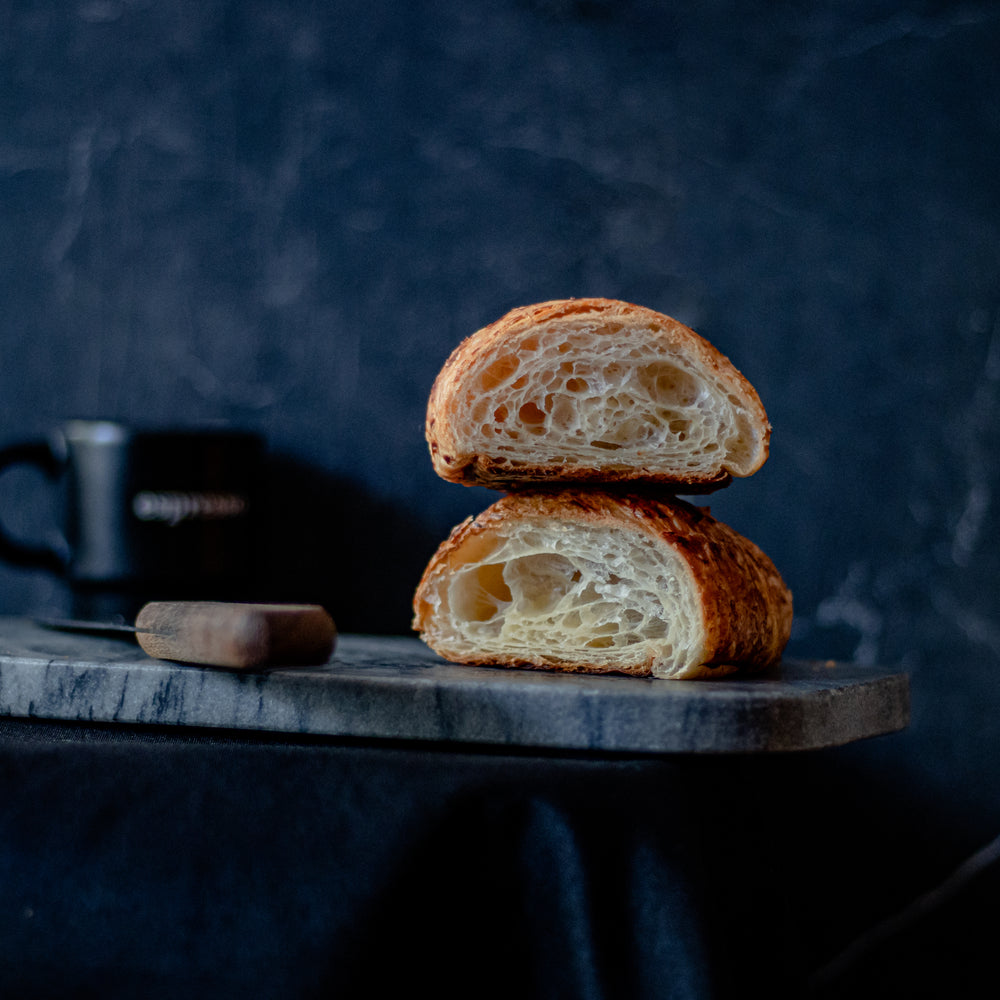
593 391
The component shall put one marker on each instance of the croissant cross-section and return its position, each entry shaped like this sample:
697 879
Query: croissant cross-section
595 582
593 390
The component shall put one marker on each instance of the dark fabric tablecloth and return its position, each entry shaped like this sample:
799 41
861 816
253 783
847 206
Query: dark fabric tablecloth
180 863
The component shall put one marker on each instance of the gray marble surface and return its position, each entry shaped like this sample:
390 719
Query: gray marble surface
396 688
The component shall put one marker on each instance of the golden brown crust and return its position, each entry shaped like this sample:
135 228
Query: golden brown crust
745 607
450 397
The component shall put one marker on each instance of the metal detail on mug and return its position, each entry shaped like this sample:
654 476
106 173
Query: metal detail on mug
174 506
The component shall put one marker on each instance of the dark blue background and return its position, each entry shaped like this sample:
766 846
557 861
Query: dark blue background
286 215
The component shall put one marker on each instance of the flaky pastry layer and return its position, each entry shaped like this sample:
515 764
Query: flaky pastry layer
593 581
593 390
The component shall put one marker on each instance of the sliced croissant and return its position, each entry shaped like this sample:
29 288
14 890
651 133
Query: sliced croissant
593 581
593 390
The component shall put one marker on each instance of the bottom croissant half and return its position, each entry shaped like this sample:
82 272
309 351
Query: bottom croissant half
593 581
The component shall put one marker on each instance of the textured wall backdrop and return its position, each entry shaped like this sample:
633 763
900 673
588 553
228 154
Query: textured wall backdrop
285 215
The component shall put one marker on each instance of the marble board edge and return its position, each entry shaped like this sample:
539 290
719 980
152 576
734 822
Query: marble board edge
394 688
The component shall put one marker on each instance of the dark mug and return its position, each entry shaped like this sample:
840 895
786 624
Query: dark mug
147 514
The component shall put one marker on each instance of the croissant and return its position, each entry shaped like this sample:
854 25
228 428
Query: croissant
594 581
593 391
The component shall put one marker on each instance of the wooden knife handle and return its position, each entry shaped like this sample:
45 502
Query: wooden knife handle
240 636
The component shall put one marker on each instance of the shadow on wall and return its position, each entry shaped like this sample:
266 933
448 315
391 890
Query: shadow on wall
327 541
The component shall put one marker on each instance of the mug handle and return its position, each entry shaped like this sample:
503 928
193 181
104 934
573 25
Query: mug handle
37 453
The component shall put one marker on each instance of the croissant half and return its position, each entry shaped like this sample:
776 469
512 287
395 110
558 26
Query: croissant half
593 391
593 581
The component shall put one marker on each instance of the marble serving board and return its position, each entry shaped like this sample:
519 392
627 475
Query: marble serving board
395 688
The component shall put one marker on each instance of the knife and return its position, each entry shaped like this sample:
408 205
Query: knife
224 634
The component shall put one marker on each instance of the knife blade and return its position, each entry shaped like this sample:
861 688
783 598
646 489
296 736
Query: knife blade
223 634
83 625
